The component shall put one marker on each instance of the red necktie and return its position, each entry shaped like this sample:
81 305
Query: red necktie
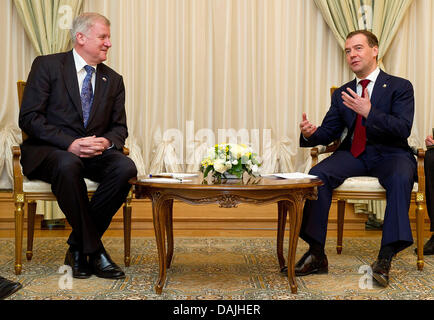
359 139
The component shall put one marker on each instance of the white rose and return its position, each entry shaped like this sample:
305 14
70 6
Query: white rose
228 165
237 150
220 166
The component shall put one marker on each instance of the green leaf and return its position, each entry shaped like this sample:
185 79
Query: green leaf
207 170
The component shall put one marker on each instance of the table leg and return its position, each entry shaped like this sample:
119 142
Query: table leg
169 230
296 217
281 222
158 212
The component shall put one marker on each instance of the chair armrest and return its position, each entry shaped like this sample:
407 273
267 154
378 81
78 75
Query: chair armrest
16 167
125 151
420 154
316 151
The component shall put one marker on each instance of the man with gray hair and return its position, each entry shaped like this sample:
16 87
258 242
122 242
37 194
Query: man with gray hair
73 111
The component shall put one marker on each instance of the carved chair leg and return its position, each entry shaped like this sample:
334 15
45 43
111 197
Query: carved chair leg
127 229
341 215
420 212
281 222
19 218
31 213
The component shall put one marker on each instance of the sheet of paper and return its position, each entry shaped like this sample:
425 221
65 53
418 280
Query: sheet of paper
175 175
161 180
292 175
184 175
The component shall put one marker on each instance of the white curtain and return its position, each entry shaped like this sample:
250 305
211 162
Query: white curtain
411 56
47 23
196 67
201 67
16 55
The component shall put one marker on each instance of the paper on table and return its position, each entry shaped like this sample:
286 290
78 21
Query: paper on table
183 175
163 180
175 175
292 175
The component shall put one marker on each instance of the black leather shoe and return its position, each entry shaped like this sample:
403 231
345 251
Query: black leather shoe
309 264
78 262
380 271
8 287
104 267
428 248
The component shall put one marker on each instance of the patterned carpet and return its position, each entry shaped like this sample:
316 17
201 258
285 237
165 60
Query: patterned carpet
219 268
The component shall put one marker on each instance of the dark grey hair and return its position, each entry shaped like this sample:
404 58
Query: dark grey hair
84 22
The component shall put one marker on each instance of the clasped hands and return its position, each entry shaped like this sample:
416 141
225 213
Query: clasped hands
360 105
89 147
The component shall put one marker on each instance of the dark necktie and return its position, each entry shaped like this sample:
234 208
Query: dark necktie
86 95
359 138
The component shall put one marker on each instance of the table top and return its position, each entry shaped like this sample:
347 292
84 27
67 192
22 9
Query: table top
247 182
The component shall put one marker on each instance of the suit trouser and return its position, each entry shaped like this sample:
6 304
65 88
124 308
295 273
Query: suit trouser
396 173
88 219
429 185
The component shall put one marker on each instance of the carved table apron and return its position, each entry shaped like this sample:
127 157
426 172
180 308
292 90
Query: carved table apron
289 194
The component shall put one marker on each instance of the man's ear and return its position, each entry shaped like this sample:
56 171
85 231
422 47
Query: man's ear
376 51
80 38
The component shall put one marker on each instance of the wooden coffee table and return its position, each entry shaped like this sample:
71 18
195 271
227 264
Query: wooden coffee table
290 196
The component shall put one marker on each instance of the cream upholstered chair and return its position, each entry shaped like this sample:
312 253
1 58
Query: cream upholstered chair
26 193
369 188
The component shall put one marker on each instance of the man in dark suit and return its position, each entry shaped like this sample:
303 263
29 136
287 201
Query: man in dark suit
74 115
377 109
428 248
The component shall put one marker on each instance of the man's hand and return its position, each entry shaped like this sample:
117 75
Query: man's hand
356 103
89 147
429 141
307 128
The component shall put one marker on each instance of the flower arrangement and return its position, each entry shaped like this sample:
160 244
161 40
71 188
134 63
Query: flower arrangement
225 160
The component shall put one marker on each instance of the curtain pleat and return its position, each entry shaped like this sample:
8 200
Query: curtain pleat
47 22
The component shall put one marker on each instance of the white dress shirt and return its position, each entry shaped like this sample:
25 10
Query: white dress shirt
81 72
373 77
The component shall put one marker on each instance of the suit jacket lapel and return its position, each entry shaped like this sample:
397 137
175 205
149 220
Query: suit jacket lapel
101 84
379 88
71 82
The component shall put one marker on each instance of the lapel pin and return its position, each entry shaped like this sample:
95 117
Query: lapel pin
384 85
104 79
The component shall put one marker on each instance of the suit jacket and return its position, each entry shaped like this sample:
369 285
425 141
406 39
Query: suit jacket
388 124
51 113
